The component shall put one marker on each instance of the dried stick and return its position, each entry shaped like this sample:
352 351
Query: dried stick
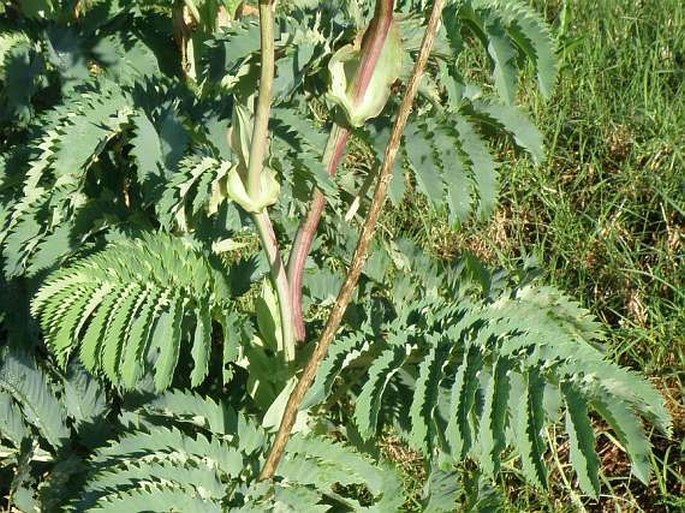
361 253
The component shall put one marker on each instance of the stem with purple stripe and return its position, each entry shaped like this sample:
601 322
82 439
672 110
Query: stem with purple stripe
371 48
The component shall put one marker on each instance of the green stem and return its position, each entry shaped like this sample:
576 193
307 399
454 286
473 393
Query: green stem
360 254
280 279
258 145
260 130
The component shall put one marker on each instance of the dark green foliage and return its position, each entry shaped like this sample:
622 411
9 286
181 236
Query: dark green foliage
121 124
478 373
129 304
46 416
27 386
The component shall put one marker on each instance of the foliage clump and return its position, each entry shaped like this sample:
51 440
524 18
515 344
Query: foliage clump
160 138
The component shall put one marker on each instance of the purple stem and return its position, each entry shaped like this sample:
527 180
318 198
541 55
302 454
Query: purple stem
371 48
305 235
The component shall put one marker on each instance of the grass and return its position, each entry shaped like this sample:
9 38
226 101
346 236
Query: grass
604 218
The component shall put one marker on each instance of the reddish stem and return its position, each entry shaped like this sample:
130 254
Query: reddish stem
305 235
371 48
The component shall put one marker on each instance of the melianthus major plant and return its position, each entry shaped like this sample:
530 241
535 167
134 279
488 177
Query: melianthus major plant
160 160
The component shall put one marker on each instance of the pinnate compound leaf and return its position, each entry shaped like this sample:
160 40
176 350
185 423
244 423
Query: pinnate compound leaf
497 380
216 466
516 24
150 286
369 401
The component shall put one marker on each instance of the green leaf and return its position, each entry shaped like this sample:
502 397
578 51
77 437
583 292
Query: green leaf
442 490
202 345
458 433
131 473
529 419
167 337
30 387
533 37
91 342
581 440
336 464
51 249
629 431
121 314
22 71
138 284
428 171
340 354
425 399
503 57
511 119
369 401
455 177
164 498
64 334
164 442
18 242
84 136
138 337
237 42
492 435
12 425
146 148
217 416
84 398
483 166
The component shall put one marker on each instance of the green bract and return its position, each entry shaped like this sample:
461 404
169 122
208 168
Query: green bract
269 190
344 67
239 136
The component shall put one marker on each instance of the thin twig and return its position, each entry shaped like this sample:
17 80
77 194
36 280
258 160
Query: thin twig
258 144
360 254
